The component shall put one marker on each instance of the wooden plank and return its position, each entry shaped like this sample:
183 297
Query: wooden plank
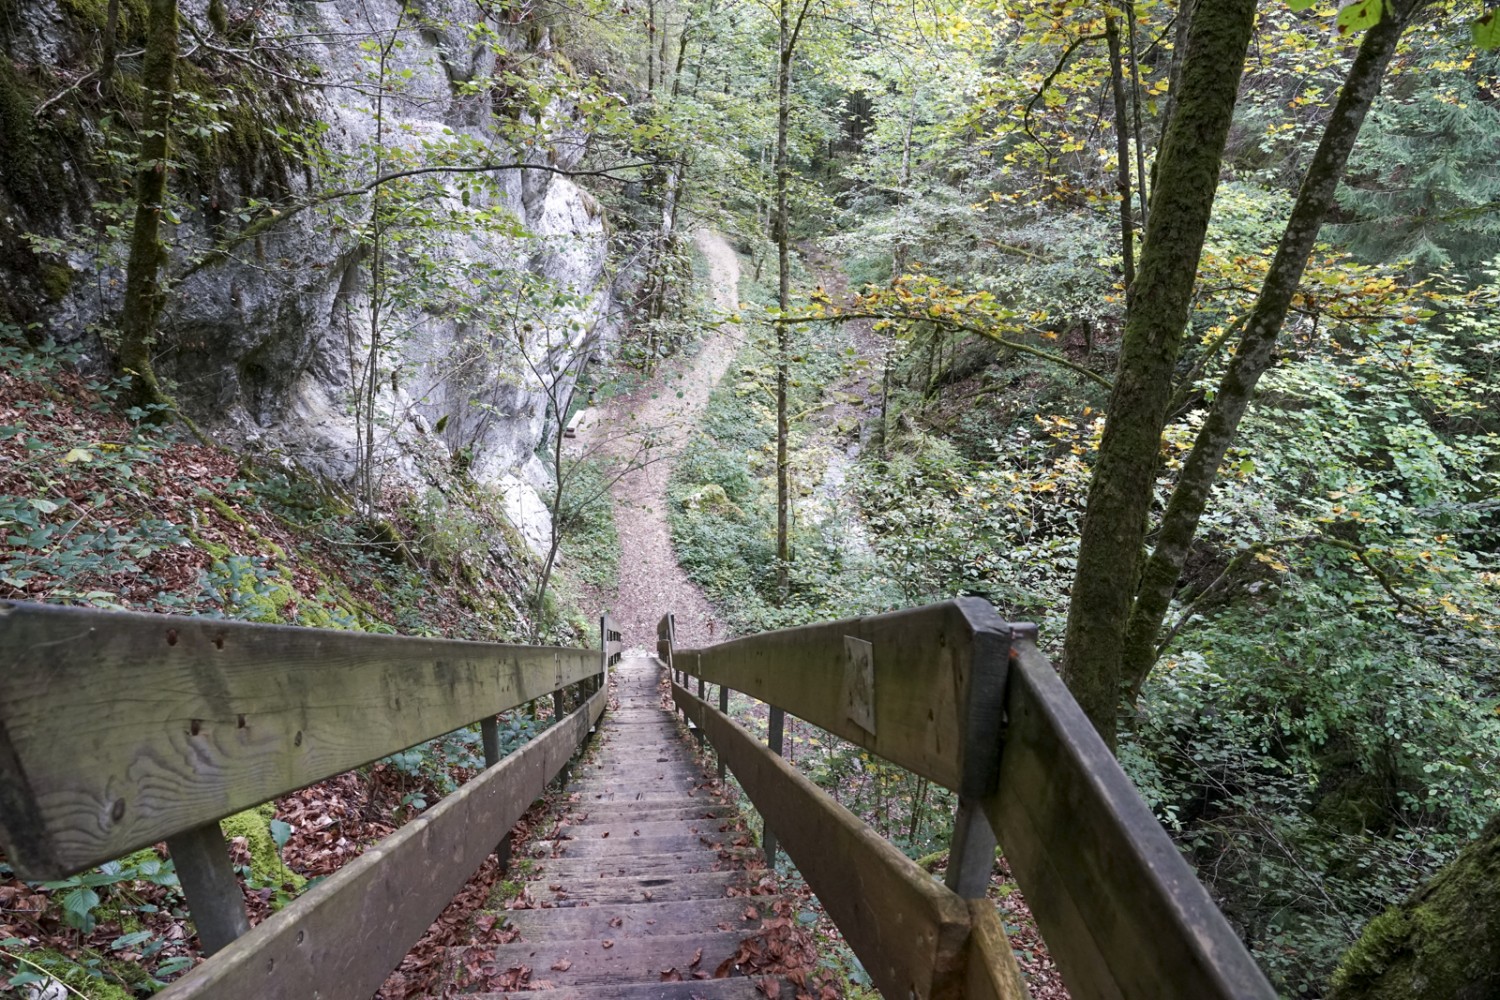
1122 912
938 684
118 730
992 972
909 931
343 937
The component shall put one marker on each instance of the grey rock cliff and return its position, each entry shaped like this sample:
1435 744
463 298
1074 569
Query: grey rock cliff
269 346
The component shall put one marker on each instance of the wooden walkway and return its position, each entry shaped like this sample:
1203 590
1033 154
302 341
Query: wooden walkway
632 899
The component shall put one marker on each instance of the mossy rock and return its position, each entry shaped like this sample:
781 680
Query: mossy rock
266 866
94 14
712 499
1441 944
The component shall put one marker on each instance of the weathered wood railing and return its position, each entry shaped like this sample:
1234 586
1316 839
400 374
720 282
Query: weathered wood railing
956 695
120 730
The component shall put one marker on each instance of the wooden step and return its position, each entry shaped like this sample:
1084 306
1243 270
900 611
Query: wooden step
638 889
624 828
608 959
616 847
594 812
566 869
632 920
732 988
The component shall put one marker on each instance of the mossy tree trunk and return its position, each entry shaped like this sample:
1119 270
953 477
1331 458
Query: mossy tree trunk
1124 474
143 290
1256 348
1441 944
1122 152
789 30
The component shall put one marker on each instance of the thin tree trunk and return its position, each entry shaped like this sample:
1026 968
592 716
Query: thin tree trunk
1180 41
1122 152
143 291
1135 108
111 42
1124 474
651 47
1256 348
783 297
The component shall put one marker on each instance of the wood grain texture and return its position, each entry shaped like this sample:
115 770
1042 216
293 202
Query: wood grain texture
1122 913
118 730
341 939
909 931
939 678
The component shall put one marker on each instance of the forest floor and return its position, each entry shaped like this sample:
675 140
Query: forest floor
664 412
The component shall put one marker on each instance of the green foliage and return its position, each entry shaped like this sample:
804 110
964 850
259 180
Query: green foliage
1421 185
590 538
722 493
264 837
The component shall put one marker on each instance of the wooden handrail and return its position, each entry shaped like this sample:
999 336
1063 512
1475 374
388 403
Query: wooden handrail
922 688
913 935
340 940
953 693
119 730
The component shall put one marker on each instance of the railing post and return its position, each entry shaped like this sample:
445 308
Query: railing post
215 901
773 741
723 707
489 735
971 851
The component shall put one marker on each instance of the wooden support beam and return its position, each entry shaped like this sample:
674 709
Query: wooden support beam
773 743
910 933
723 707
215 900
344 936
971 851
222 716
489 736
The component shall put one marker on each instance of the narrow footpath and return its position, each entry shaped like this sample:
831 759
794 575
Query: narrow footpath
668 408
643 890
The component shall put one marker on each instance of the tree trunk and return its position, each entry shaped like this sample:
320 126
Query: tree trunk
111 42
1254 353
1124 474
1122 152
783 298
1135 108
143 291
1441 944
1181 29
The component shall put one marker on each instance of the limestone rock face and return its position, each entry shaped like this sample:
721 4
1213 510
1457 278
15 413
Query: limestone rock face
269 346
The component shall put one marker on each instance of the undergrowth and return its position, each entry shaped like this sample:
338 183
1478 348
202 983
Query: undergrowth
104 507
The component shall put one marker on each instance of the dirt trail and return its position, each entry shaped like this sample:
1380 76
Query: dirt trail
667 408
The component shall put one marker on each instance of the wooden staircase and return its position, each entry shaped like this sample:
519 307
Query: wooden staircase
631 896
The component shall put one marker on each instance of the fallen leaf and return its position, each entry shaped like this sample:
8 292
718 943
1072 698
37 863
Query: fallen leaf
697 957
561 965
608 943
